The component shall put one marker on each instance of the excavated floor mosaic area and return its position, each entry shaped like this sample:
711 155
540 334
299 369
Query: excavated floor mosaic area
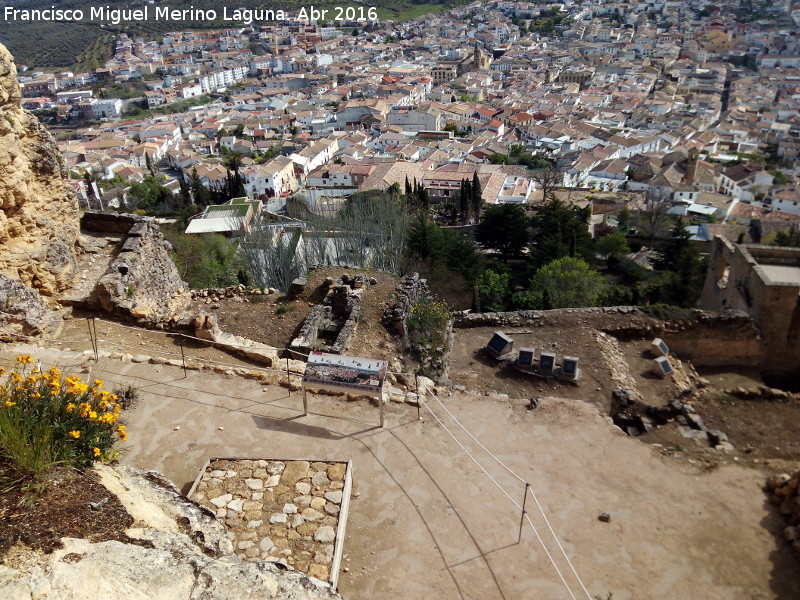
284 511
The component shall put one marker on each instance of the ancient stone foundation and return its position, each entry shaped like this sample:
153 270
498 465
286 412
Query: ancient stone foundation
329 326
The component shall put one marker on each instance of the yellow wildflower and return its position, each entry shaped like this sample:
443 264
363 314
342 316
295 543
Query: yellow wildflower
96 451
92 415
69 407
24 359
9 403
75 433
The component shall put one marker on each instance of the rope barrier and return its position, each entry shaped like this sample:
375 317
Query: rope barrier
514 502
530 488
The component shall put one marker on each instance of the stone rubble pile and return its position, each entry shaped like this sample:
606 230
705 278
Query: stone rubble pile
408 292
783 490
283 511
237 293
635 418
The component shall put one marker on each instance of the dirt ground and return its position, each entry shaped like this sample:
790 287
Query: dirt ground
425 522
275 319
472 367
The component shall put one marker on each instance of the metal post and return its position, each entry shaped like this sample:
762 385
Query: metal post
183 357
96 341
416 391
91 337
305 402
288 377
380 403
522 517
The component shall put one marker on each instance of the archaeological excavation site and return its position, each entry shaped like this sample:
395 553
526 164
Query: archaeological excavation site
350 434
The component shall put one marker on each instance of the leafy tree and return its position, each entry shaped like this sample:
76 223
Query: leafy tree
779 177
682 281
624 218
493 291
788 238
429 243
202 195
564 283
612 244
499 159
204 261
503 227
149 164
148 195
560 231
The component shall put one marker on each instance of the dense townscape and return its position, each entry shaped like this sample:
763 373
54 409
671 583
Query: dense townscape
692 103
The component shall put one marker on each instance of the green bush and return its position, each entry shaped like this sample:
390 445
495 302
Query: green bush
47 420
427 324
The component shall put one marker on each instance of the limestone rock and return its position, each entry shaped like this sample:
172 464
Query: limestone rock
31 316
39 223
325 534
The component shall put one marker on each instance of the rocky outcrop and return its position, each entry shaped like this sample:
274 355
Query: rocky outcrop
22 312
186 554
38 212
142 282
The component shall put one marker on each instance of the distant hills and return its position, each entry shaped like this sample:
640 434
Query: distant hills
87 45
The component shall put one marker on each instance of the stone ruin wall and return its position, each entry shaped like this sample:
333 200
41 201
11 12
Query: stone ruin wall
408 291
142 282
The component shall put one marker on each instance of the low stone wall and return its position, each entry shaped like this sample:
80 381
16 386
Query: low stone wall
708 339
108 222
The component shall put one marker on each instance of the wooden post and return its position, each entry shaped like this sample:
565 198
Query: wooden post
522 517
